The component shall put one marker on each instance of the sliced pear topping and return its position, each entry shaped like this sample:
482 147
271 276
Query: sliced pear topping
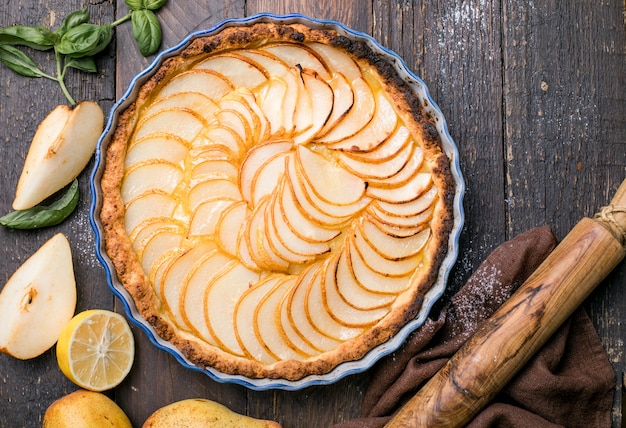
167 147
379 171
352 291
229 225
337 60
392 247
151 175
246 323
207 82
375 132
184 123
405 193
241 72
61 148
253 161
192 296
338 308
197 102
299 55
318 313
362 111
220 298
146 206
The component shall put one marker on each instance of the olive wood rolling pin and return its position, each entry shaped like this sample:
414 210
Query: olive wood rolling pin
507 340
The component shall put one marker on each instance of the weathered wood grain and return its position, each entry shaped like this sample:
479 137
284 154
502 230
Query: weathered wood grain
534 97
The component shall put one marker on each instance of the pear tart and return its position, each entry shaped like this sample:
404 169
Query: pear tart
276 200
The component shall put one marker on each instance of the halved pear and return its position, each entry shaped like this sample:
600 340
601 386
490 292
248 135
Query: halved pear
38 300
61 148
208 82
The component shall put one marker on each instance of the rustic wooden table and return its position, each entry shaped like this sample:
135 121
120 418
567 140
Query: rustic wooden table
535 96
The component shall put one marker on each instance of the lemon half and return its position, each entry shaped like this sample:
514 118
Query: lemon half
96 349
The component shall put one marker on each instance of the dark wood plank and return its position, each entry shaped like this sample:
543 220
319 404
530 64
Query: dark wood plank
28 387
565 73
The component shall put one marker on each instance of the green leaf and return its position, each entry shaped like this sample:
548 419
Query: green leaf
72 20
19 62
85 40
154 4
147 31
44 216
32 37
86 63
135 4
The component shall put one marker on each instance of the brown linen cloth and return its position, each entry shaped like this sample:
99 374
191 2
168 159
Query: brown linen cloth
568 383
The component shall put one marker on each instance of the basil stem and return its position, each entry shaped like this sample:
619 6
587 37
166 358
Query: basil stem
44 216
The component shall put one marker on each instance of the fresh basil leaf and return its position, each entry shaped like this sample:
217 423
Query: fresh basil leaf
154 4
147 31
19 62
135 4
86 63
44 216
85 40
32 37
72 20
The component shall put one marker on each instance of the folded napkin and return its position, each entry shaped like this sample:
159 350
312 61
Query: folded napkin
568 383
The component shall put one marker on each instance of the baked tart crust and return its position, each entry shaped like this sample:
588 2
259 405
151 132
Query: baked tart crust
379 209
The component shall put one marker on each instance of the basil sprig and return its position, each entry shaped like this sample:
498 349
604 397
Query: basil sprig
44 216
77 41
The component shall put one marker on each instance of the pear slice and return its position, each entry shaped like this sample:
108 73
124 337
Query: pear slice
298 312
166 147
337 60
343 311
299 55
267 322
255 159
208 82
351 291
220 298
318 312
387 150
146 206
151 175
192 295
229 225
38 300
61 148
180 121
241 72
195 101
246 323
